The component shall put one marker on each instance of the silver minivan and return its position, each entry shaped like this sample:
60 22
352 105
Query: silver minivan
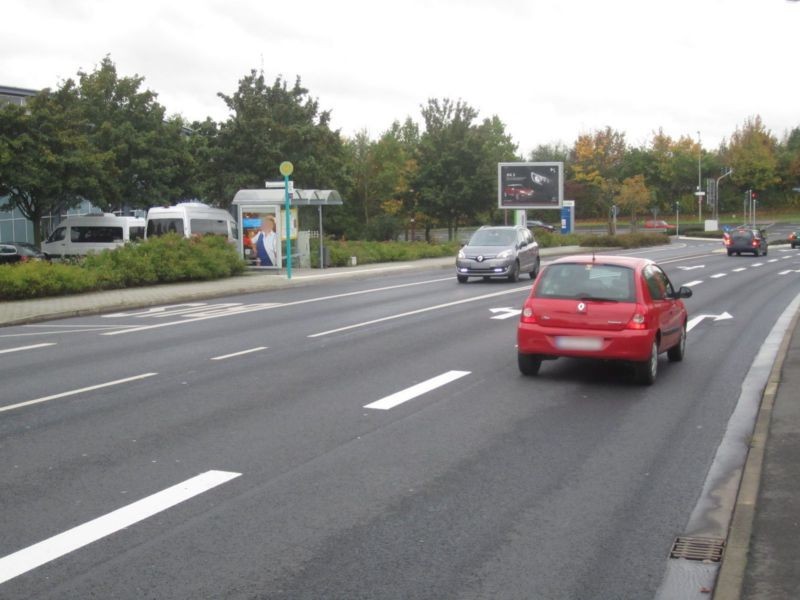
77 235
503 252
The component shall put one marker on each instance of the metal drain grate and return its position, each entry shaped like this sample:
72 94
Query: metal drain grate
697 548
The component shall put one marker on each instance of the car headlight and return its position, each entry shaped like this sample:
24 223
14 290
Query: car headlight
461 254
505 254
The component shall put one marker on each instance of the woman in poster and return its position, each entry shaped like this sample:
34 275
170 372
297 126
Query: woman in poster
266 243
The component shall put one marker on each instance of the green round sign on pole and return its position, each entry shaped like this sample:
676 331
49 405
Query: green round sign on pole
286 168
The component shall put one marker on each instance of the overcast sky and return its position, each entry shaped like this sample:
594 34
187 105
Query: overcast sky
550 70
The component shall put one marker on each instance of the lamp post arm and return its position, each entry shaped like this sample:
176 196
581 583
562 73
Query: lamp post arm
716 192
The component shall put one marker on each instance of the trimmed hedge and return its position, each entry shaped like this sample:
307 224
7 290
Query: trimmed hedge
166 259
374 252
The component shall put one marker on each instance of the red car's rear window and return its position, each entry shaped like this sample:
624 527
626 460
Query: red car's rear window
587 281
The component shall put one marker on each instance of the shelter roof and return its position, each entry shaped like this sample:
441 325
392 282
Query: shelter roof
272 196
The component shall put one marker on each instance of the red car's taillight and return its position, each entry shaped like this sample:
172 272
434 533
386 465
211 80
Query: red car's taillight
527 315
639 319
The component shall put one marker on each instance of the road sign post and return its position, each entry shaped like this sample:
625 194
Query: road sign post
286 169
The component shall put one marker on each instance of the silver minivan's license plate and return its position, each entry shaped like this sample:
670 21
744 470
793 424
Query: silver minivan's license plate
579 343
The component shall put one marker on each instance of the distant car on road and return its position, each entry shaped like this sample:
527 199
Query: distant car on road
654 224
498 252
532 223
16 252
603 307
745 239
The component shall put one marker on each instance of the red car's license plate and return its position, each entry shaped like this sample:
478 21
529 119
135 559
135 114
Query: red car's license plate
578 343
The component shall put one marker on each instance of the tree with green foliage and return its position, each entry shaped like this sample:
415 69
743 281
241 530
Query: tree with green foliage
789 167
556 152
634 198
457 162
672 170
268 125
47 162
597 161
752 153
151 161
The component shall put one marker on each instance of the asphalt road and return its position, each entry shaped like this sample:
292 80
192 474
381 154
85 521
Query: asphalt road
362 439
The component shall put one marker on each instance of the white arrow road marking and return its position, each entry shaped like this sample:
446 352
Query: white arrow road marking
172 309
50 549
505 313
224 356
32 347
419 311
74 392
692 283
696 320
692 267
416 390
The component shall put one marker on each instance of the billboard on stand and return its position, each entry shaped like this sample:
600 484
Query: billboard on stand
530 185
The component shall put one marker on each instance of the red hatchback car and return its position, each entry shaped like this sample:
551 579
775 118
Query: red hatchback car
604 307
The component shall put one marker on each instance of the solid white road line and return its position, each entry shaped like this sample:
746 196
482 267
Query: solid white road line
34 556
526 288
32 347
416 390
75 392
224 356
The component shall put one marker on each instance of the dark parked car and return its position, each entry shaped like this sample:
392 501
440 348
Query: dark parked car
498 252
14 252
744 239
618 308
532 223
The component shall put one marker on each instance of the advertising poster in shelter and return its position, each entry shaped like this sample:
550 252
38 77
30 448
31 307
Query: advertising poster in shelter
261 236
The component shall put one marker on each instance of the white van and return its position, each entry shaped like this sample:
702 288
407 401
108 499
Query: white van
79 235
191 218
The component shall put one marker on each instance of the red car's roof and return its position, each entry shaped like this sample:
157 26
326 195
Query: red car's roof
632 262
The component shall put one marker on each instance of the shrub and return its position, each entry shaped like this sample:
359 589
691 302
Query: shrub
34 279
165 259
624 240
372 252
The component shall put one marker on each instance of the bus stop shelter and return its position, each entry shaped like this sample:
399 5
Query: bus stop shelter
253 207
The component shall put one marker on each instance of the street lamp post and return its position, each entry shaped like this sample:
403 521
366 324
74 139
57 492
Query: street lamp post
716 192
699 193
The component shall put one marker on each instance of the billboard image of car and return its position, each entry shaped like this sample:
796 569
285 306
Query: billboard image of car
530 185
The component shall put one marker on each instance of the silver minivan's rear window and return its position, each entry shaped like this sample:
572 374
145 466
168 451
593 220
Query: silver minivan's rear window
164 226
587 281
